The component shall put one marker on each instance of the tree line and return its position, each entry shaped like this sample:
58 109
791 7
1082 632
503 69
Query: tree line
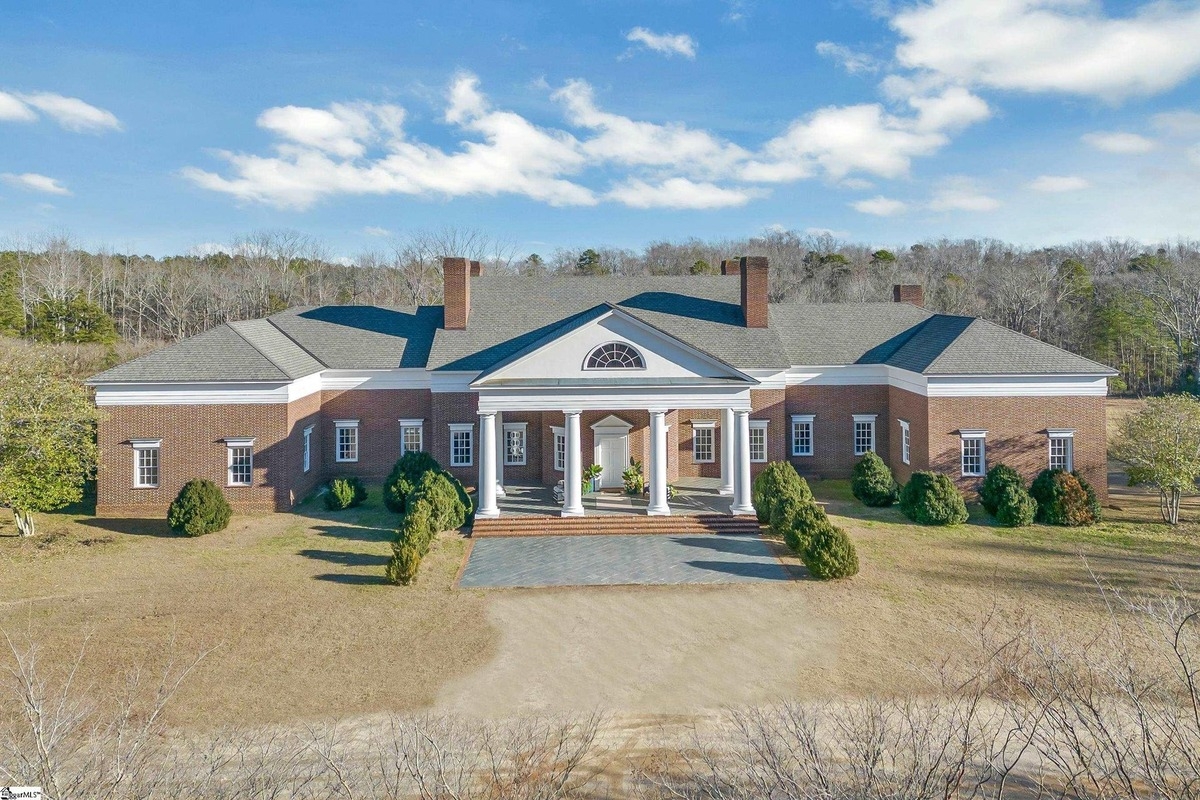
1118 301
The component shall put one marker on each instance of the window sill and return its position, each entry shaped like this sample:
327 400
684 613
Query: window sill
143 488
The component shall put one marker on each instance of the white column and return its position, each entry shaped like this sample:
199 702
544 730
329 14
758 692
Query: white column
727 437
487 467
658 464
501 453
742 497
572 480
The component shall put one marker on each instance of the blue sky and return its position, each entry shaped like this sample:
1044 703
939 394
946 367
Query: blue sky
157 128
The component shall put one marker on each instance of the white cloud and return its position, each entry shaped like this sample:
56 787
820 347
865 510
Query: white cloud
13 110
373 230
961 194
1058 183
1118 142
852 61
1068 46
669 44
71 112
880 206
1177 123
34 182
678 193
343 130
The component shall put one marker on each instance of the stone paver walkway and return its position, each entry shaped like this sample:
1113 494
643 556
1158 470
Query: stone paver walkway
619 560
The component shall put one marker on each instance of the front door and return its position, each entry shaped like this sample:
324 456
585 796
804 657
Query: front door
612 453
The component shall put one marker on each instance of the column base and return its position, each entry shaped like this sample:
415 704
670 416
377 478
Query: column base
725 491
742 510
658 511
482 513
571 512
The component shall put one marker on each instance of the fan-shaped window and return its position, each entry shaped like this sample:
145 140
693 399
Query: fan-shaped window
615 355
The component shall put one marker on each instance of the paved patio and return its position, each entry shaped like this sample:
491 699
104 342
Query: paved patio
692 496
620 560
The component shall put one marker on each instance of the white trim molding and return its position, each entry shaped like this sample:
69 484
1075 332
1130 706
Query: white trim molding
1060 433
145 444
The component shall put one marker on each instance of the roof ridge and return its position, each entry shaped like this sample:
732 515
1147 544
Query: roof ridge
256 348
997 325
270 321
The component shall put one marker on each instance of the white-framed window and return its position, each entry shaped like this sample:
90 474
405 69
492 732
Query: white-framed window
974 453
346 440
758 440
145 462
462 444
514 443
864 433
1062 449
412 436
802 434
615 355
308 448
239 461
560 449
704 438
905 442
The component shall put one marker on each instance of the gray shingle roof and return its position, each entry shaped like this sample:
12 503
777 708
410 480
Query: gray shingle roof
509 315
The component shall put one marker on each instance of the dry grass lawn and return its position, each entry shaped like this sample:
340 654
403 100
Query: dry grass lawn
304 627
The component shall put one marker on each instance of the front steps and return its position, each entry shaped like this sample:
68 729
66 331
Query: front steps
608 524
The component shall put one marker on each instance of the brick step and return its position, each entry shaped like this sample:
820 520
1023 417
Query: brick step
615 524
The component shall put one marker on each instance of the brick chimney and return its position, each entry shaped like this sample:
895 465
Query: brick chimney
754 290
457 293
476 269
730 266
912 293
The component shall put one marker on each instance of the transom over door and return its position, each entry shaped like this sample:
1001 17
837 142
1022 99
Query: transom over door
612 453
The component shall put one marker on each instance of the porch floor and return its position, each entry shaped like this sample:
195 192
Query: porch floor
692 496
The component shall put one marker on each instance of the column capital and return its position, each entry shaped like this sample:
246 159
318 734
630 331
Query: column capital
486 413
658 411
572 412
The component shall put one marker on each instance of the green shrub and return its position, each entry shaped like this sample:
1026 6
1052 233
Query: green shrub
633 478
345 492
1016 507
998 479
405 561
1061 499
808 519
468 504
932 499
774 482
418 525
404 478
199 508
830 553
872 482
784 511
446 507
1093 502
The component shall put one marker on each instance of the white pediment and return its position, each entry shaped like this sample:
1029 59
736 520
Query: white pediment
564 358
612 422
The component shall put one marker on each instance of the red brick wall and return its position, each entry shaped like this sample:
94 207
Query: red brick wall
1016 434
531 470
447 408
687 466
302 413
833 429
378 412
914 409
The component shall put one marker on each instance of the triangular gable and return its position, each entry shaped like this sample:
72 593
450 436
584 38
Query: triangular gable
561 356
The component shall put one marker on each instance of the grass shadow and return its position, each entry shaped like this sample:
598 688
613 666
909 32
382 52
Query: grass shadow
346 559
762 572
352 579
131 526
356 533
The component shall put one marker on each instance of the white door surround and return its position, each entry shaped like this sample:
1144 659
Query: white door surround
610 449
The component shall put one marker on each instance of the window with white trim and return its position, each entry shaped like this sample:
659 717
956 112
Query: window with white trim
864 433
239 462
758 440
615 355
514 443
346 441
145 463
1062 449
974 453
905 442
412 436
308 448
462 444
560 449
802 434
704 441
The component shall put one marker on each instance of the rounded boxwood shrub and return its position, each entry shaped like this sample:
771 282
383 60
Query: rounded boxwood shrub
998 479
199 508
778 479
1061 499
446 508
1016 507
872 482
784 511
404 477
345 492
932 499
808 519
830 553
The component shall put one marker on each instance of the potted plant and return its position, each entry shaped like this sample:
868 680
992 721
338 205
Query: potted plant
590 476
635 481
